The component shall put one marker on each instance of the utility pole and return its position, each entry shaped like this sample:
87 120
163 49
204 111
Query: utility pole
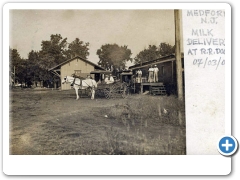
178 55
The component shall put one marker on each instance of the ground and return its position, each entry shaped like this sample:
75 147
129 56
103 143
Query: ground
52 122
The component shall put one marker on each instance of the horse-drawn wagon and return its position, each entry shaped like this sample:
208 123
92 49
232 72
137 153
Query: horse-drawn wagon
115 89
119 87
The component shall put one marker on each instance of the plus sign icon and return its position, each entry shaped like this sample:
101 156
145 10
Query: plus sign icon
227 145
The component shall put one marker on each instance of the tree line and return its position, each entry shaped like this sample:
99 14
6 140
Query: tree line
57 50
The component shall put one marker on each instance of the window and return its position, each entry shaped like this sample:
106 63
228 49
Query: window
163 70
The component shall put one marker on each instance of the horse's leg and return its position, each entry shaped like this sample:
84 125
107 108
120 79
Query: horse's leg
94 85
93 93
76 89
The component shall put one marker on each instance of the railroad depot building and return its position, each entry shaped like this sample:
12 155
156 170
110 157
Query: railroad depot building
166 75
77 65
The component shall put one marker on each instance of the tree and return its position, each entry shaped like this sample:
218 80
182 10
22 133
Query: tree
16 64
77 48
114 55
52 52
14 58
147 54
33 68
166 49
154 52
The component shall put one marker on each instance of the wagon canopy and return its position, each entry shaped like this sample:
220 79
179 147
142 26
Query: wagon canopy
126 73
101 72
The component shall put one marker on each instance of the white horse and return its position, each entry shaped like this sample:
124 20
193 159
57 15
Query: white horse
81 84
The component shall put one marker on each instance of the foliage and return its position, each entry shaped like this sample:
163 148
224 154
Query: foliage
113 55
53 52
147 54
154 52
166 49
17 63
32 65
14 59
77 48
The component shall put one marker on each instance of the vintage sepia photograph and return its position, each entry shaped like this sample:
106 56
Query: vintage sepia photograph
96 82
87 82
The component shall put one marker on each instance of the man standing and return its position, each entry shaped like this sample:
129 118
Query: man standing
150 74
140 75
155 75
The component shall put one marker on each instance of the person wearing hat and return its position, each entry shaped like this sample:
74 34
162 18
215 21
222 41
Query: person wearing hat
139 73
150 74
155 73
109 79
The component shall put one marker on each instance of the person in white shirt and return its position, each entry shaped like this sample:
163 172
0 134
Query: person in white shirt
150 74
109 80
139 76
155 73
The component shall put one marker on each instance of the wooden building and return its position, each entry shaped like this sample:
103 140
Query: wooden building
76 65
166 75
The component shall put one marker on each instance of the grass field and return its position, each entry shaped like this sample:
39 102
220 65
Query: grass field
52 122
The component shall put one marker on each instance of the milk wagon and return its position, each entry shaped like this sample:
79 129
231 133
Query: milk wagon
117 89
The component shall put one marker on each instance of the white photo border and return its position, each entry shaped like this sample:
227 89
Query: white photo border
114 165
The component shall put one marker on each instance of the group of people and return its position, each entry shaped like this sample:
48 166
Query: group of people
152 74
109 79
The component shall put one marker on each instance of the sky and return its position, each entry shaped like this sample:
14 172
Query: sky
135 28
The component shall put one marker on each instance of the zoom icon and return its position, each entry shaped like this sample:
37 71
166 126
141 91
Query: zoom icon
227 145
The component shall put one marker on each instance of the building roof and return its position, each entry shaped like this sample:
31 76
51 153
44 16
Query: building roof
155 61
77 57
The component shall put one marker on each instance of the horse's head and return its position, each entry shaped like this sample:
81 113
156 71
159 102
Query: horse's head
64 80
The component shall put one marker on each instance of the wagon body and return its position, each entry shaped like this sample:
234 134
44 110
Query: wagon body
118 89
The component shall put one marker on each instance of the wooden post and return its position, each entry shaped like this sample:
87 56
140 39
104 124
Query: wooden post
178 55
55 85
172 71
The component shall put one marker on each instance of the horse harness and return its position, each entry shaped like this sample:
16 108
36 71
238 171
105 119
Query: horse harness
80 78
74 81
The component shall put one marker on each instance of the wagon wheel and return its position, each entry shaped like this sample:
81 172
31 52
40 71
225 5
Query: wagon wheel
124 90
106 93
115 91
89 92
98 93
111 91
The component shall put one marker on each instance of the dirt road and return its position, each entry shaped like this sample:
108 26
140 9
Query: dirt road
49 122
